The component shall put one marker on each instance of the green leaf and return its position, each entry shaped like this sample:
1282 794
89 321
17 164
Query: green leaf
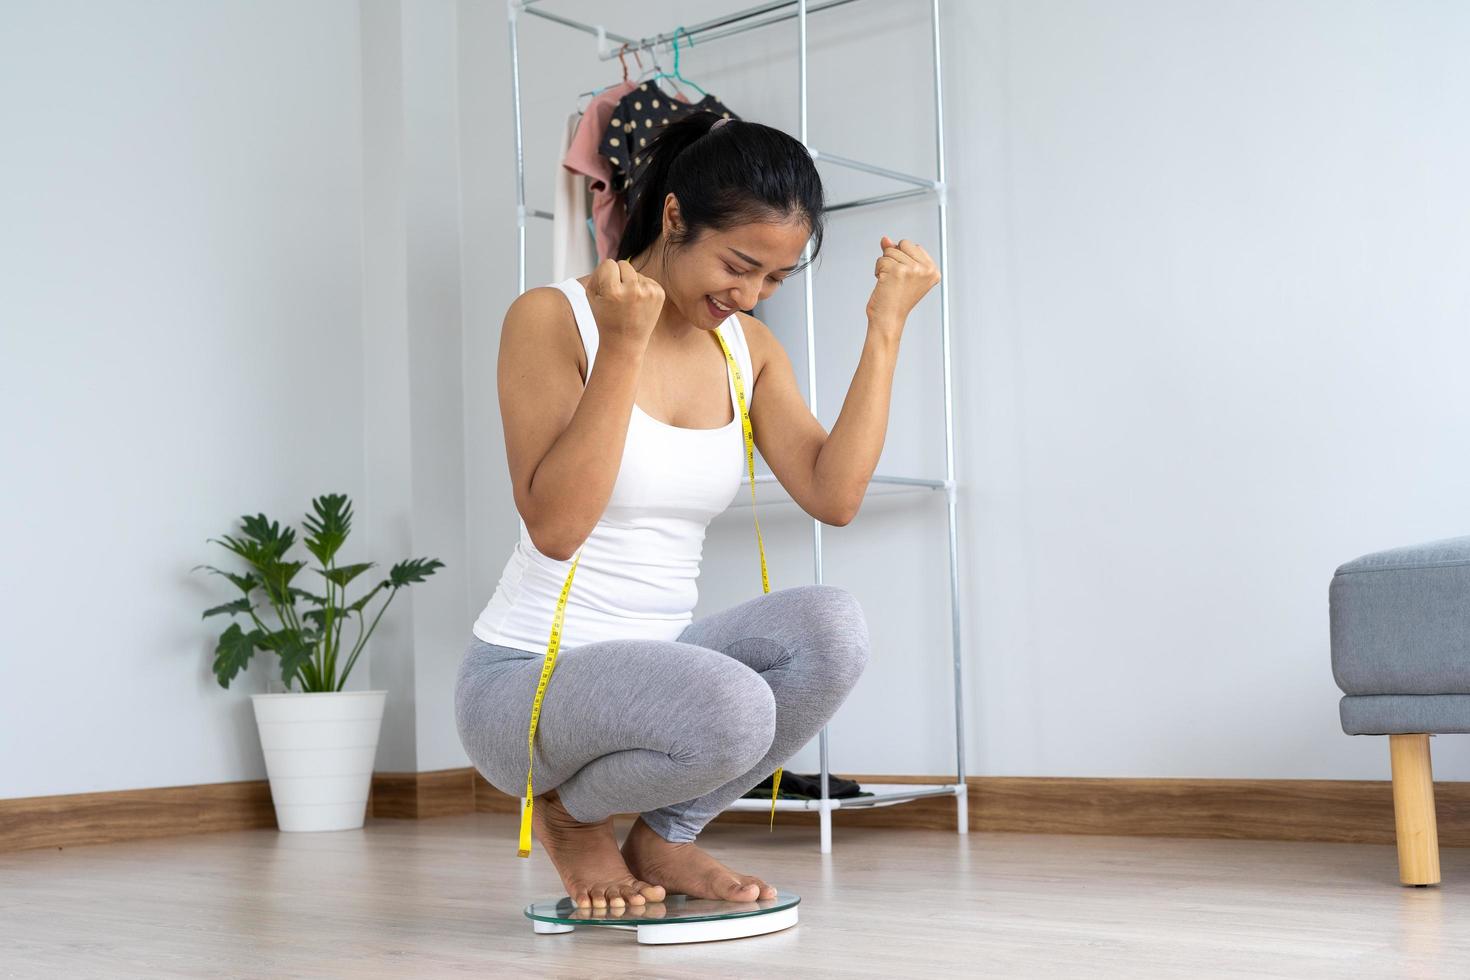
330 527
276 579
245 583
412 570
320 600
264 542
251 551
294 653
268 535
276 640
319 617
361 604
233 653
241 605
346 573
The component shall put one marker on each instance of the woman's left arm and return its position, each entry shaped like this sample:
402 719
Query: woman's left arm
828 474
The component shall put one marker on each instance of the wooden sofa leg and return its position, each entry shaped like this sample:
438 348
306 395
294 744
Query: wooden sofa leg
1413 809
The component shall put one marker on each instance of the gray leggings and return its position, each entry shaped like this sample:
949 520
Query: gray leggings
675 730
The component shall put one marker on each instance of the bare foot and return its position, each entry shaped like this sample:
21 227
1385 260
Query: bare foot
586 856
686 869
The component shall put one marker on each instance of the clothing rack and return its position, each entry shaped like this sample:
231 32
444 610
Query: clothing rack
728 25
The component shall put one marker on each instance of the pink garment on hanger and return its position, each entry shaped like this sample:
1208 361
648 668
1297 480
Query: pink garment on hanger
609 209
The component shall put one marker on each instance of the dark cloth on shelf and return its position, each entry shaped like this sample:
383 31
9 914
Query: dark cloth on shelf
803 786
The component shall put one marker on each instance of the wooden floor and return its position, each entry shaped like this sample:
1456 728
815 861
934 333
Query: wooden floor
443 898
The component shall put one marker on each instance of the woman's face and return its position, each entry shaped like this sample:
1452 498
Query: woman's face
735 267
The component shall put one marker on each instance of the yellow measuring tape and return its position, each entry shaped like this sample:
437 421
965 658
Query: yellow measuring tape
549 664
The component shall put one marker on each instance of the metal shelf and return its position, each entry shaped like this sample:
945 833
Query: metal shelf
915 187
770 492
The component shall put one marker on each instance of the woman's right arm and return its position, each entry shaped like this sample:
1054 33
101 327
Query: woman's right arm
563 444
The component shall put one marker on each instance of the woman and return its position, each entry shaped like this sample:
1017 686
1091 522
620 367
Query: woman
624 438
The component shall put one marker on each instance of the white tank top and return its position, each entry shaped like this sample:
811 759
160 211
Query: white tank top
636 577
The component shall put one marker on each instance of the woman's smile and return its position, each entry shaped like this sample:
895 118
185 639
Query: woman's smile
715 310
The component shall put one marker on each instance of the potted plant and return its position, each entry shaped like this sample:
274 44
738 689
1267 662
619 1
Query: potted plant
319 742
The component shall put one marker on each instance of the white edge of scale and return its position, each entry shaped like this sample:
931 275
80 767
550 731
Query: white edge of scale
659 933
665 933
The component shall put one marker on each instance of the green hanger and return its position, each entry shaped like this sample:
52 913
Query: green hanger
675 74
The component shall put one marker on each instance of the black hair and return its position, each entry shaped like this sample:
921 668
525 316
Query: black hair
741 172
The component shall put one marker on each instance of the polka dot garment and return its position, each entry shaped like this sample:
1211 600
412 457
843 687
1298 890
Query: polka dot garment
636 120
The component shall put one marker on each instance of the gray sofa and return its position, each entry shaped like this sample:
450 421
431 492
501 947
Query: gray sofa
1400 623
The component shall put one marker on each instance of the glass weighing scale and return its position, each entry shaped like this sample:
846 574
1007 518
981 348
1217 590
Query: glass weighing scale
676 919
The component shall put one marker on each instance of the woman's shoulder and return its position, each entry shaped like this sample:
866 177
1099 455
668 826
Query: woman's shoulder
545 297
541 321
758 339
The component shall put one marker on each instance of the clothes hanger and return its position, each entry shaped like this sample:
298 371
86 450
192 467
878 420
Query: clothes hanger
677 76
644 72
644 77
623 60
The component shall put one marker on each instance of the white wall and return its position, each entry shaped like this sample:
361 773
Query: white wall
180 344
1208 272
1217 303
413 414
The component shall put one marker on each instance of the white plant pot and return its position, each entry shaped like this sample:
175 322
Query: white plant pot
319 751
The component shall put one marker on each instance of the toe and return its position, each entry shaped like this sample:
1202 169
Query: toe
631 894
766 891
740 891
654 893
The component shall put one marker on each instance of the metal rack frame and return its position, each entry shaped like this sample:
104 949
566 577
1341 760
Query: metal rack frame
728 25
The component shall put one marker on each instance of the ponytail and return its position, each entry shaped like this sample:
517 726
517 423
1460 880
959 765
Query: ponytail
721 176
